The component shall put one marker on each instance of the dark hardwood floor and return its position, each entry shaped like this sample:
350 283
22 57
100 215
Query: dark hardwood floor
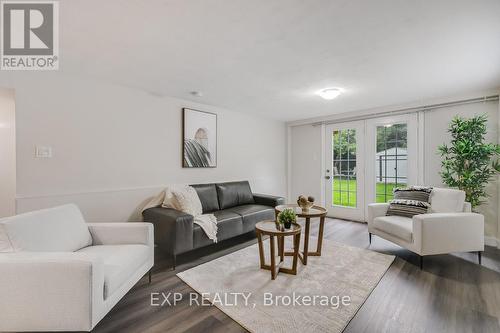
451 294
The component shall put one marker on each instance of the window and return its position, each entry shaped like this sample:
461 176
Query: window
344 168
390 160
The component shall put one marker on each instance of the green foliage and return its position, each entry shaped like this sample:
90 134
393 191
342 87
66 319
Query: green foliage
344 147
390 137
287 215
344 144
468 162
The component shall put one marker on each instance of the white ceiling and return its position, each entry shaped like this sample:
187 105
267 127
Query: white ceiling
270 56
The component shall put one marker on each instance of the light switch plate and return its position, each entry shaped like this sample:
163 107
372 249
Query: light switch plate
43 151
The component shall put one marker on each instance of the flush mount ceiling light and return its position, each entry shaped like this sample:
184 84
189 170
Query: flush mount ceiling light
329 93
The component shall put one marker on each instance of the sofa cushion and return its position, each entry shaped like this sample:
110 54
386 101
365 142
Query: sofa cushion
398 226
208 197
419 193
234 194
229 225
252 214
447 200
120 263
407 208
58 229
410 201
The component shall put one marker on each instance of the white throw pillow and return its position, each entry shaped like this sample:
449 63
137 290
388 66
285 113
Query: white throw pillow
169 201
185 199
447 200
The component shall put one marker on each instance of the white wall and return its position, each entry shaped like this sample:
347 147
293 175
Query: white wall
113 147
7 153
305 162
435 129
306 143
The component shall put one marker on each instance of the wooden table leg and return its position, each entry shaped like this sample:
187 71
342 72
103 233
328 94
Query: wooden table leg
319 245
273 258
320 234
296 245
294 253
261 250
306 241
281 247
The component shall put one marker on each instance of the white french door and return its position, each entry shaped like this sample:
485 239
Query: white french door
392 154
345 170
365 160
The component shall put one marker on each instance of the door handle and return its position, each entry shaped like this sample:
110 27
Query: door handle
327 177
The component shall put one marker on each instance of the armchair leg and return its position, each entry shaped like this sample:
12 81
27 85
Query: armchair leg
370 237
421 262
174 260
479 257
149 275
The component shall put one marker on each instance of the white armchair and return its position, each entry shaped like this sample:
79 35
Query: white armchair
58 273
449 227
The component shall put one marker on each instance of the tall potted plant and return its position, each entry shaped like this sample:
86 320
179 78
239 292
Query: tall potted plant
469 163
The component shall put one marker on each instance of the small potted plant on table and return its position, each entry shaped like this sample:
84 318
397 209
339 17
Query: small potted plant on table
287 217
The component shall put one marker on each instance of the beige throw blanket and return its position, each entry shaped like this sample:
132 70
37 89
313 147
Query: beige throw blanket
185 199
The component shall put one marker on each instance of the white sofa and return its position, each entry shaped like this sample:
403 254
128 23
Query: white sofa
58 273
450 226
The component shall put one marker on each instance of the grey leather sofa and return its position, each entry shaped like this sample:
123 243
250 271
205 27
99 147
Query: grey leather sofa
237 210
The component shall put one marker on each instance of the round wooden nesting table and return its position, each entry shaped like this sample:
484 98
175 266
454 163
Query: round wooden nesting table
269 228
313 212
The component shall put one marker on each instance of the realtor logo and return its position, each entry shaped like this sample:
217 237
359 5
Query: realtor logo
30 35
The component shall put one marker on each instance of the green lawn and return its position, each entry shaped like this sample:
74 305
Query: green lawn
344 192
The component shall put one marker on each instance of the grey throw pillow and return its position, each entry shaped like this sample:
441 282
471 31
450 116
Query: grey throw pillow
410 201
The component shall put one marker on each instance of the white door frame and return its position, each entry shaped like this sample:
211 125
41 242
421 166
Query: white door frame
371 148
351 213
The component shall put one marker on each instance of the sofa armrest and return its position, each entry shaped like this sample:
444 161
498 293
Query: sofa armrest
121 233
376 210
173 229
46 291
438 233
268 200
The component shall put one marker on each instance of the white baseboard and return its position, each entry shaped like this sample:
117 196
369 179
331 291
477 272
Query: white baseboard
492 241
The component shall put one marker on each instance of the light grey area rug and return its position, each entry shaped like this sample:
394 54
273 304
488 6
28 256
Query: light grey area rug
341 273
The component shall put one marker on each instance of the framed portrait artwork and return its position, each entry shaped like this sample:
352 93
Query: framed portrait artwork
200 139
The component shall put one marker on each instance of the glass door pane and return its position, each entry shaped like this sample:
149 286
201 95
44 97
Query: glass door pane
390 160
344 183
